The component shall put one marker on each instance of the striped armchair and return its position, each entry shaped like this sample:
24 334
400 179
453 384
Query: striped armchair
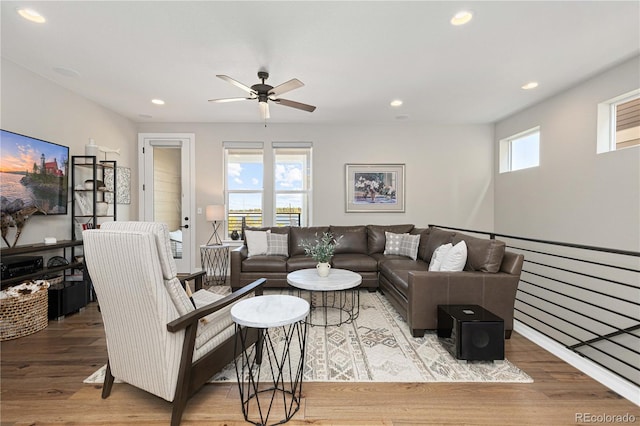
156 339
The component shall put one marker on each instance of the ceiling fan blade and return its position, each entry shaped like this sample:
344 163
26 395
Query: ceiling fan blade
288 86
264 110
294 104
236 83
230 100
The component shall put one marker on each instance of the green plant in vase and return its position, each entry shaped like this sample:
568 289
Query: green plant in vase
321 250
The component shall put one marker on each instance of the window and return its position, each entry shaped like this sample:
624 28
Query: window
619 122
244 177
520 151
251 172
292 184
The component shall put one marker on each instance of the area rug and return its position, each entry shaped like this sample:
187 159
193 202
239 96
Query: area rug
378 347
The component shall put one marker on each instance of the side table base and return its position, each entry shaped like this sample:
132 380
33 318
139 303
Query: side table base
270 373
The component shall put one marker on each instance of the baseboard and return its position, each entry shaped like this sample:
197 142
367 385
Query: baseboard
608 379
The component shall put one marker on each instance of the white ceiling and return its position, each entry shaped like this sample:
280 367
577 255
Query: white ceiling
354 57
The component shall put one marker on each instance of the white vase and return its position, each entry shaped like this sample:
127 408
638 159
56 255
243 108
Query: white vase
323 268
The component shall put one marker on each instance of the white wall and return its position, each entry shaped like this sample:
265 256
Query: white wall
575 195
34 106
448 168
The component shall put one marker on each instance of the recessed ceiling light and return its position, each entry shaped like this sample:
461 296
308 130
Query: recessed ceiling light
530 85
157 101
31 15
395 103
461 17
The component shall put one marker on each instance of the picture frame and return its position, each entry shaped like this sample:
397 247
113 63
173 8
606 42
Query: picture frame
375 188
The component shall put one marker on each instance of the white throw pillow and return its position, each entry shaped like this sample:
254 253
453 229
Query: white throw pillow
438 255
256 242
455 258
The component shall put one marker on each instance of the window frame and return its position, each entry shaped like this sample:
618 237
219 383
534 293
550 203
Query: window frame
506 150
251 148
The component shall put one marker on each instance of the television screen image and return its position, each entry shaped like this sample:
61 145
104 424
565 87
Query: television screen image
33 175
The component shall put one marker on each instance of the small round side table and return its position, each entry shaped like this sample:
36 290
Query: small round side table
270 372
215 260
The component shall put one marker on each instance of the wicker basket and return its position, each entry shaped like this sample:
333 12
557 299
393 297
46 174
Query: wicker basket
23 315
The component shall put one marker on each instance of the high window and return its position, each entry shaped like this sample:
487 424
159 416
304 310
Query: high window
619 122
520 151
267 187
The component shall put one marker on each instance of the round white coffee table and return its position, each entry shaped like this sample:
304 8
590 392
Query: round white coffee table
268 370
338 293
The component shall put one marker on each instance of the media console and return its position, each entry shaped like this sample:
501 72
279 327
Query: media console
64 297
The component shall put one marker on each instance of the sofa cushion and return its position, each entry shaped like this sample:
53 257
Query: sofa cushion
482 254
299 234
437 237
277 244
376 239
402 244
356 262
351 239
264 263
295 263
424 236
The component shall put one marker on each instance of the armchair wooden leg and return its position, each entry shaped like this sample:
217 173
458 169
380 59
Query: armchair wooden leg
259 346
108 382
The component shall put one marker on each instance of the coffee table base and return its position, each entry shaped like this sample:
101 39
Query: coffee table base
334 308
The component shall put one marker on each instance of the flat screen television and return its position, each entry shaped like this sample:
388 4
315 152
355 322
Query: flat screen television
33 173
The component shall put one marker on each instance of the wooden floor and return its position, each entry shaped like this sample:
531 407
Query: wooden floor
42 378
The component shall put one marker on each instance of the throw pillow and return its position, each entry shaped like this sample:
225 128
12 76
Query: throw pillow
402 244
277 244
455 258
256 242
438 255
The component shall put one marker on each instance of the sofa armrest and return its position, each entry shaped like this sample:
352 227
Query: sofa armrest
426 290
237 256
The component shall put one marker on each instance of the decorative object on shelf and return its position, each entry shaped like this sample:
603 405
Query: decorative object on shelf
17 219
374 188
93 149
215 214
235 235
102 208
99 185
321 250
122 185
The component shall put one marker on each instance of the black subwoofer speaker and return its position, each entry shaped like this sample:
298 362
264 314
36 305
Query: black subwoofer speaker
481 341
472 332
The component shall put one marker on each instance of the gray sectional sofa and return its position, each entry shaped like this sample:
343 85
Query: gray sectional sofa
490 276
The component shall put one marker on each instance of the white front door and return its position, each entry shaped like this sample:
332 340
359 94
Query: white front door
166 164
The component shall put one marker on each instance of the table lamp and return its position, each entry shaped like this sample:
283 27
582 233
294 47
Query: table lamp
215 215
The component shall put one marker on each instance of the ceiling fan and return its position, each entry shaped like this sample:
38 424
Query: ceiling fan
264 93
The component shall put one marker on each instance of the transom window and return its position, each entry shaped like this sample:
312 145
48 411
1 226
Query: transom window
520 151
619 122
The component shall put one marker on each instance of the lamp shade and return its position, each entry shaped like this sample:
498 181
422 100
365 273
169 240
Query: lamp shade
215 213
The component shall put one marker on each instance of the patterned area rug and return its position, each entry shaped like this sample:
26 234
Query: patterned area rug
378 347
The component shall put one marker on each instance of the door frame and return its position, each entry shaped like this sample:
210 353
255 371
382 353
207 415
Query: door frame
188 174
